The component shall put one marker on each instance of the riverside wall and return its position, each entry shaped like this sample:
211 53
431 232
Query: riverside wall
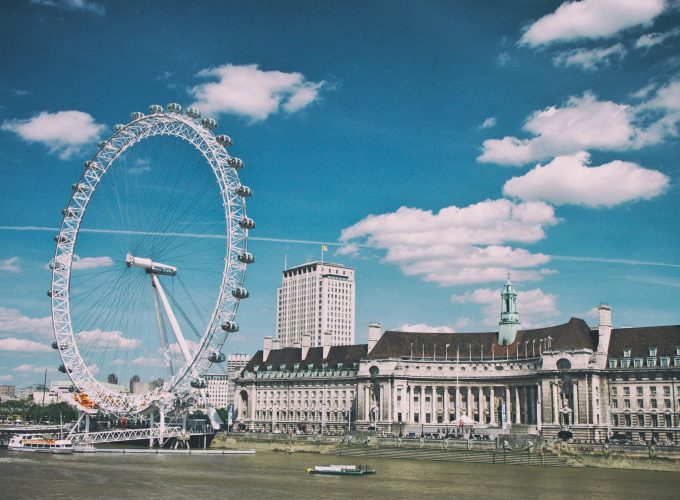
571 454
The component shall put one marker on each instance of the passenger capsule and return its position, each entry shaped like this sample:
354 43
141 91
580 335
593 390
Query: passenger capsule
62 368
193 113
230 326
235 163
56 265
240 293
246 257
49 293
60 238
209 123
216 357
173 107
78 187
55 346
137 115
247 223
68 212
224 140
155 109
118 127
199 383
244 191
90 163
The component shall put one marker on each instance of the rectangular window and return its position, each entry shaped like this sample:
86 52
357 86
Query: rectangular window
615 403
612 363
614 391
637 362
626 391
667 403
639 390
640 403
666 390
652 390
665 361
653 403
626 403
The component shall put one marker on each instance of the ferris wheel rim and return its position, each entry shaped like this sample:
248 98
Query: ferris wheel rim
199 134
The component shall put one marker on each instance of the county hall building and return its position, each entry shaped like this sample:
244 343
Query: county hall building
593 381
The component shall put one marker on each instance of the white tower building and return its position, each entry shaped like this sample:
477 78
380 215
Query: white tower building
316 298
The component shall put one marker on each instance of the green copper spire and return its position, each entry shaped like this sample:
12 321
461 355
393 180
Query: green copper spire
509 324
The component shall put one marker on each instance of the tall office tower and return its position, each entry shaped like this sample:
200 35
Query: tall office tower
316 298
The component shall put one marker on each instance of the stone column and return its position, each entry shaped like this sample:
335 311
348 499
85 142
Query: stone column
367 403
411 405
508 415
555 403
492 406
422 404
482 404
518 416
539 407
575 399
459 401
586 382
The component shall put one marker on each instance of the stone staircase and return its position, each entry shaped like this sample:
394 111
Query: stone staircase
547 458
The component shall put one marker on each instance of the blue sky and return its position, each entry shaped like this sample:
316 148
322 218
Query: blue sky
435 145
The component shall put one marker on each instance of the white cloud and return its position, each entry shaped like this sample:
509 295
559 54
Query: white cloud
351 249
591 19
10 265
22 345
146 361
535 307
80 263
649 40
459 245
26 368
590 59
84 5
582 123
251 92
570 180
64 132
489 122
98 339
6 378
424 328
13 321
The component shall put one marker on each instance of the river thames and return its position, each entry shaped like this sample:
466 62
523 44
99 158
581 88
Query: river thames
276 475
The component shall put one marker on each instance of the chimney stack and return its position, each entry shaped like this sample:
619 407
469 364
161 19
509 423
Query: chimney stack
374 333
276 344
327 340
306 342
266 349
604 327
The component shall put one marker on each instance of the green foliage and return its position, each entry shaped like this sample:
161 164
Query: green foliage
28 411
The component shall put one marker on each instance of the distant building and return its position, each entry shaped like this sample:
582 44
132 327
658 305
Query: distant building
133 380
6 392
313 299
220 388
112 379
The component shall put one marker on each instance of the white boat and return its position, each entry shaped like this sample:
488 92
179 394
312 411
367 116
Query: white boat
39 443
341 470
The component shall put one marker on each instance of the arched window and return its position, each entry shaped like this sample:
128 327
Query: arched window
563 364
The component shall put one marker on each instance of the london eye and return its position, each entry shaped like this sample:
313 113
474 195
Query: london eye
150 262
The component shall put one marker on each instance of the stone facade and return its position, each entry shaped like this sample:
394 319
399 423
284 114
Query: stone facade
566 377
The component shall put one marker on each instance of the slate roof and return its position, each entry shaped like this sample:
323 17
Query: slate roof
575 334
639 340
289 356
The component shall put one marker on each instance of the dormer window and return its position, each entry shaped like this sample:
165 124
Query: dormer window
637 362
677 350
652 351
296 366
626 352
269 368
612 363
339 366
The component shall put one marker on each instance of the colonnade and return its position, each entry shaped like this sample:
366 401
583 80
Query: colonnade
426 403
